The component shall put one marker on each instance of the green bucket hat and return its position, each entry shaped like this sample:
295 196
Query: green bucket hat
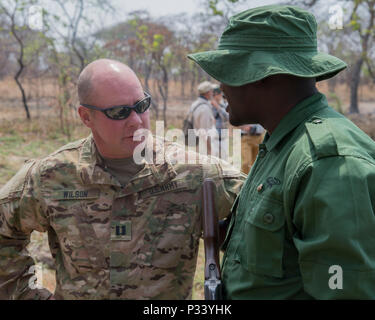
265 41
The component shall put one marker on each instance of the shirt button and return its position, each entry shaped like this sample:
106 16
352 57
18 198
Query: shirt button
262 153
260 187
268 218
317 121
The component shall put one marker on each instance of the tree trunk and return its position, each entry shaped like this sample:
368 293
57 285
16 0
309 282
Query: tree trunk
16 78
365 37
155 100
163 89
182 81
192 86
165 112
354 84
147 76
24 100
165 84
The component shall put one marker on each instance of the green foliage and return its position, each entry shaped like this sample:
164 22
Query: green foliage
157 43
213 5
355 22
355 25
35 44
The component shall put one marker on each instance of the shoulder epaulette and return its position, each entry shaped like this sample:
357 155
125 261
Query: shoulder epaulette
321 137
69 146
14 187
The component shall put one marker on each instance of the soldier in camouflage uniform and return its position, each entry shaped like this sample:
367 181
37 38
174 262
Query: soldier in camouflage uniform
112 234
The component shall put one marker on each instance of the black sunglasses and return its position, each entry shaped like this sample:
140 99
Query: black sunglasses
122 112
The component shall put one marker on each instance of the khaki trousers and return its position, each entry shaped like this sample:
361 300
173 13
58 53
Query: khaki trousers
249 151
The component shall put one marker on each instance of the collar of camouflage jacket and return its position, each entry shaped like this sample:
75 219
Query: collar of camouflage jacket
91 171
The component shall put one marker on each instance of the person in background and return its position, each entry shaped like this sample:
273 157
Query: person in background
252 136
203 117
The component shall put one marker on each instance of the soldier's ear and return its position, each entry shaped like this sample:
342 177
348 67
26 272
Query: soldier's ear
86 116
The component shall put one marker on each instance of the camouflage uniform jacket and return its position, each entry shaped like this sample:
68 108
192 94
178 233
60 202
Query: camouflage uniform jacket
139 241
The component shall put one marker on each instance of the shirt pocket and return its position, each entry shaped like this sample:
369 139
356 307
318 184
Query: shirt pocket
76 238
172 234
262 245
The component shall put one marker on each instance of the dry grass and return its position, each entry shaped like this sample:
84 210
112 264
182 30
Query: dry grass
21 140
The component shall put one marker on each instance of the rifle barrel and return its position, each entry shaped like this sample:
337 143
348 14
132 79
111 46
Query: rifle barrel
212 285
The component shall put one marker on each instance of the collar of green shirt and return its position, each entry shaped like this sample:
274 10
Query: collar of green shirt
294 117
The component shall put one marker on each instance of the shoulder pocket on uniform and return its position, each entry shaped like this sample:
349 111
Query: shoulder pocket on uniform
78 243
13 188
262 248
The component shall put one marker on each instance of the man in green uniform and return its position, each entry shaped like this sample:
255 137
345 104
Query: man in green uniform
304 223
117 229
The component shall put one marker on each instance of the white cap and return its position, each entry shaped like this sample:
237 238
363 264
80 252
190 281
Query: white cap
205 86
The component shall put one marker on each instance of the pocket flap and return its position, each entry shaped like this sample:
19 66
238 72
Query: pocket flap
262 245
267 214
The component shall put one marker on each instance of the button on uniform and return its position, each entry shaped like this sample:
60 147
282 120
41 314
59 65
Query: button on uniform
268 218
262 153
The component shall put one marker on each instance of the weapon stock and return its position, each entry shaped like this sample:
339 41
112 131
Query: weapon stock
212 283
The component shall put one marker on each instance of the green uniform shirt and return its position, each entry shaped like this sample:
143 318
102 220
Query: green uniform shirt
304 224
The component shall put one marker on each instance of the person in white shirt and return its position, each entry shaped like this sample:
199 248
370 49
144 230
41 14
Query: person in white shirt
203 118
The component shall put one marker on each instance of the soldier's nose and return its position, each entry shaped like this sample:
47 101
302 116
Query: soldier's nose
134 119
